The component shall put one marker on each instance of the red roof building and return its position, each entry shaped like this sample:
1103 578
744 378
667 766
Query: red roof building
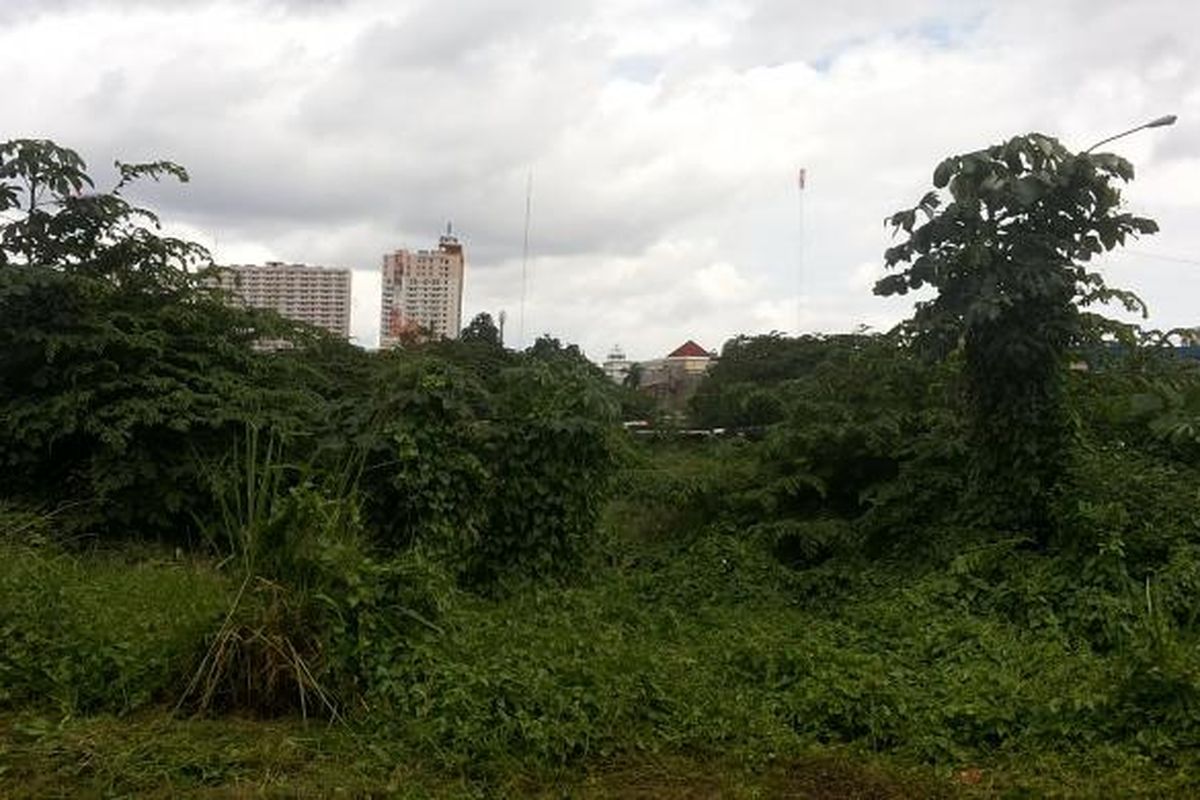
689 349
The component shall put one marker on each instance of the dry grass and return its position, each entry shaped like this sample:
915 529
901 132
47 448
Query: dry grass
261 660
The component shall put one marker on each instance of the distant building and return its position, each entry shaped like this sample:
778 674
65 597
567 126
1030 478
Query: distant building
691 358
422 292
319 296
617 366
674 379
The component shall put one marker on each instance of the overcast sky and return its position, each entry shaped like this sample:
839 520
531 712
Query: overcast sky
663 139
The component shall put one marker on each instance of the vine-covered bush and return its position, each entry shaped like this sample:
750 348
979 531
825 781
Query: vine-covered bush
424 477
500 478
552 454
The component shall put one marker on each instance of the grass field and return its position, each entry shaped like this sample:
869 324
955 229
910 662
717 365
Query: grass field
688 661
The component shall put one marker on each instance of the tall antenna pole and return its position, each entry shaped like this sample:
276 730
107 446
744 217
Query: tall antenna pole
801 179
525 253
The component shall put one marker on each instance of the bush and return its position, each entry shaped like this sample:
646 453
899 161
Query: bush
500 480
116 362
552 457
424 479
1157 700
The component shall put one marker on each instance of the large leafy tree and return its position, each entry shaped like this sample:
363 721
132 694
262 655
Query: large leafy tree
117 365
1004 240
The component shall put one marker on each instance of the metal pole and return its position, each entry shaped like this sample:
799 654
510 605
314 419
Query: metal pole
525 253
800 254
1169 119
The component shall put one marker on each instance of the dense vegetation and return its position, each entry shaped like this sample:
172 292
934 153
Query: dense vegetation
454 555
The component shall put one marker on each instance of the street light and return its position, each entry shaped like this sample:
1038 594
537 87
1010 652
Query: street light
1169 119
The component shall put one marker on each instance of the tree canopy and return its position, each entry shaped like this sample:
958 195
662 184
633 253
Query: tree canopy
482 329
116 358
1006 253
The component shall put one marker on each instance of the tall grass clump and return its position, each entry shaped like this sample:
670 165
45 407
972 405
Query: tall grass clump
317 616
287 543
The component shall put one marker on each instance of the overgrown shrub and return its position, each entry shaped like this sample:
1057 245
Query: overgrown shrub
1003 238
867 427
1157 698
551 455
424 477
116 362
500 479
318 618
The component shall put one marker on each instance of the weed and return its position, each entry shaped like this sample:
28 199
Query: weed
92 633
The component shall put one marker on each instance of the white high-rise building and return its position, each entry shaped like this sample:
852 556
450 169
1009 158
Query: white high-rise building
422 292
317 295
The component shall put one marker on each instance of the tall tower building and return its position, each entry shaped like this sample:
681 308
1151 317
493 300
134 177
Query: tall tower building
422 292
317 295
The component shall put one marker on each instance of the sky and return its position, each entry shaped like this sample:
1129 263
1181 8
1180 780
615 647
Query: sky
662 140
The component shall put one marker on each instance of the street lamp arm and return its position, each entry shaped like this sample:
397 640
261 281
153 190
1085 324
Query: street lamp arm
1169 119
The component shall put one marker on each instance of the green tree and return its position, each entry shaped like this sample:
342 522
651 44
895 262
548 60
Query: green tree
482 329
1006 255
551 348
633 379
744 386
116 363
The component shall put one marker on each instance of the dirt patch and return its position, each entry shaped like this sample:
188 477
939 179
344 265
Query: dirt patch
836 778
821 777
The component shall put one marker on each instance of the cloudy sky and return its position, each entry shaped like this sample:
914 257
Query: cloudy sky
663 138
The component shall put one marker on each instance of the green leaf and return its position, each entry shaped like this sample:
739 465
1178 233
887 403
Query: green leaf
941 175
1027 190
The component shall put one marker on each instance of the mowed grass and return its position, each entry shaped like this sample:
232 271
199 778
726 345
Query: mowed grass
153 755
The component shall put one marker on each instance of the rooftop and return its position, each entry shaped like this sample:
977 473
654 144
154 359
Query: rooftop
689 349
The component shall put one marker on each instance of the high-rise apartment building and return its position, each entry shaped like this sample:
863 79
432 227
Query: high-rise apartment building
422 292
317 295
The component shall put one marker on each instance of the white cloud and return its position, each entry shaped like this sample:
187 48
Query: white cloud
663 137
